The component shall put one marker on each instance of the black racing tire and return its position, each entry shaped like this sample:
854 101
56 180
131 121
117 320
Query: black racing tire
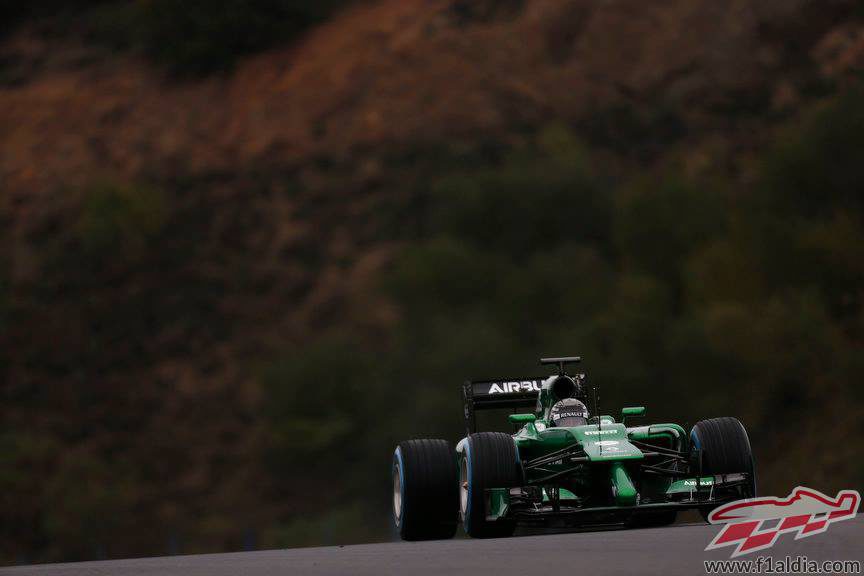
724 448
489 460
425 490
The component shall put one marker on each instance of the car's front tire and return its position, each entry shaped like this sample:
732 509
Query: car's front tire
425 490
489 460
724 448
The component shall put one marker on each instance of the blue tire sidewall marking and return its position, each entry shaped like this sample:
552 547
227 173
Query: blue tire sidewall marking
518 459
398 457
694 443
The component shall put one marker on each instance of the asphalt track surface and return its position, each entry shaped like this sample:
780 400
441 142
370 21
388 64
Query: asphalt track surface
673 550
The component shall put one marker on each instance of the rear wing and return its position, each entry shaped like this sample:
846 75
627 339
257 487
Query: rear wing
498 393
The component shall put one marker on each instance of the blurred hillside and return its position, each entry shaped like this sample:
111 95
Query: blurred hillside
248 248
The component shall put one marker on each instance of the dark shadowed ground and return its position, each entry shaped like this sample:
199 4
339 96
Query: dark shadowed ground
670 551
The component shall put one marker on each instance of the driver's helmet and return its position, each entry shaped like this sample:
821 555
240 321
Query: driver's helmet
568 412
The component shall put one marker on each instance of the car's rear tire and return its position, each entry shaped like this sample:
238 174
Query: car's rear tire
490 460
425 490
724 448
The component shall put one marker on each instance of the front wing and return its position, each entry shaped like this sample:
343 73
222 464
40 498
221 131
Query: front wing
702 494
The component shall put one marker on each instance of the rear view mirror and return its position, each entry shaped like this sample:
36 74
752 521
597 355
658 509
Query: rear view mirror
521 418
632 411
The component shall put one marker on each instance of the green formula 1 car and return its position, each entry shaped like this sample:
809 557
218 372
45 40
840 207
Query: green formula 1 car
564 468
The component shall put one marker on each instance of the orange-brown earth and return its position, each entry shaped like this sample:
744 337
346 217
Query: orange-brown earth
395 72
